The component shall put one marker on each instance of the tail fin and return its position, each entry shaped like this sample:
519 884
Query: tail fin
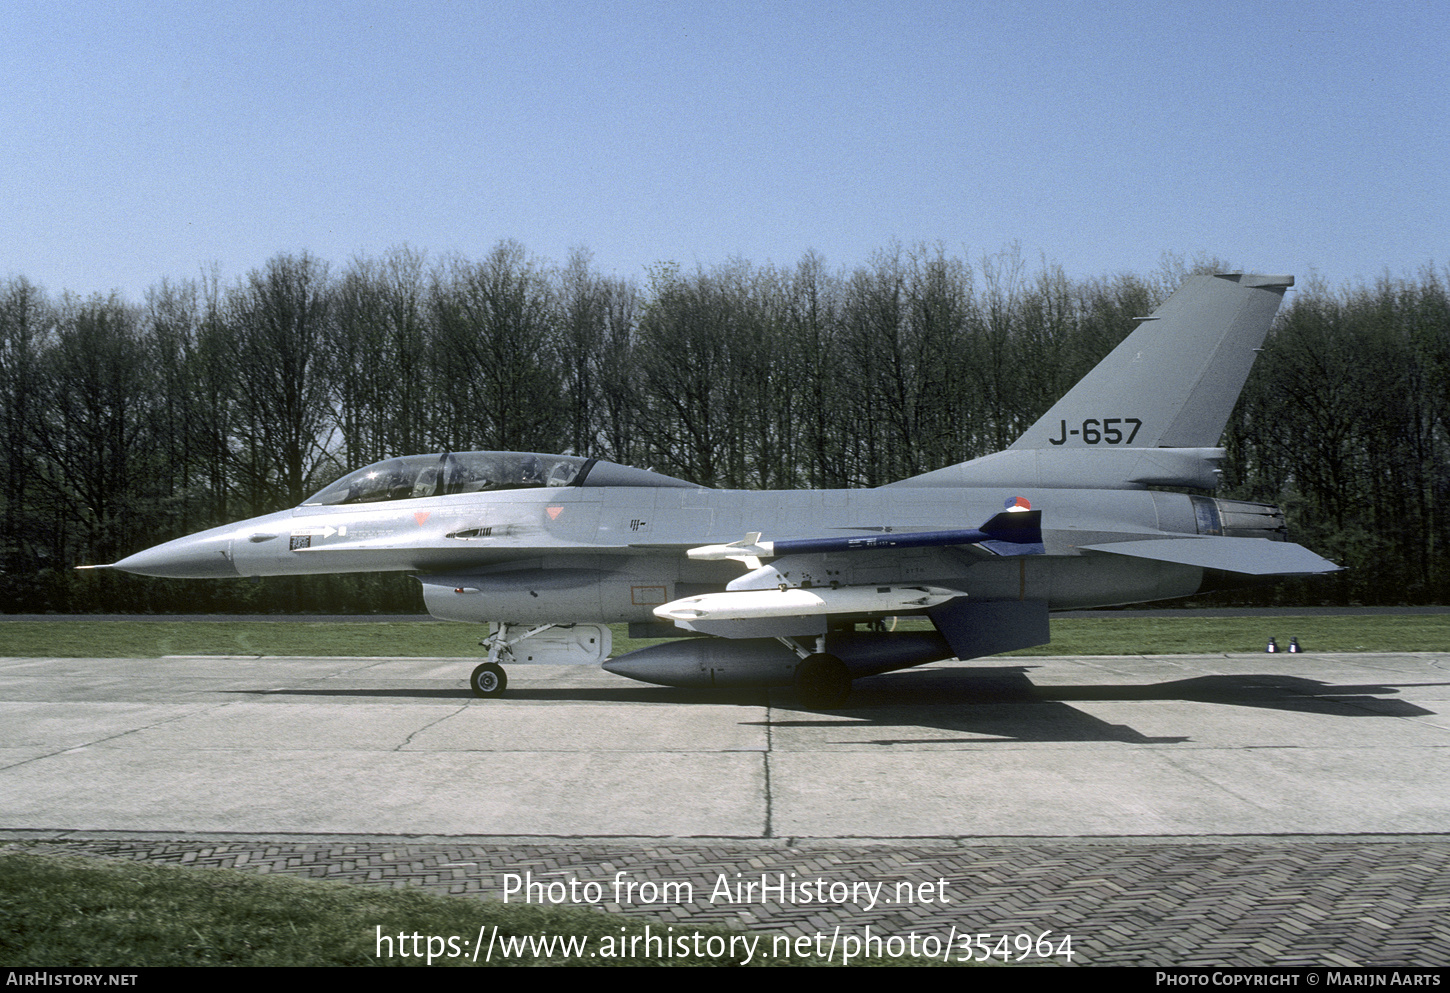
1152 412
1173 382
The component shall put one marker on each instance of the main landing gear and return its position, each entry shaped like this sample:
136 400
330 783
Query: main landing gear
822 681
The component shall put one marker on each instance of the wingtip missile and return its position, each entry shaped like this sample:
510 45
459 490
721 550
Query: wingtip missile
749 550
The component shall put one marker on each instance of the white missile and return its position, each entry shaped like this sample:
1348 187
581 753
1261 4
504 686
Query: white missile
799 602
749 550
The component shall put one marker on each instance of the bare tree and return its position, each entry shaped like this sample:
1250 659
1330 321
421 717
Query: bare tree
377 347
25 324
279 319
495 355
94 429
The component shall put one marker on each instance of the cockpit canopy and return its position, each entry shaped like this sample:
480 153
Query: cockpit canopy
417 476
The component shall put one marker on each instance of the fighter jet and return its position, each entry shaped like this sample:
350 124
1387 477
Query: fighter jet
780 588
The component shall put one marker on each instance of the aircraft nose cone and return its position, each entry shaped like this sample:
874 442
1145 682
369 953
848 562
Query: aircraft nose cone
204 556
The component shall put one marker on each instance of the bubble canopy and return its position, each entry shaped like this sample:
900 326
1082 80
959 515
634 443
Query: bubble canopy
418 476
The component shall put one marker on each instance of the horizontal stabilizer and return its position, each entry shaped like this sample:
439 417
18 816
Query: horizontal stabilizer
1245 556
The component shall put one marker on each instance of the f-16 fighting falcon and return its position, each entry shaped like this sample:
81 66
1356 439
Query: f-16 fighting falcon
779 588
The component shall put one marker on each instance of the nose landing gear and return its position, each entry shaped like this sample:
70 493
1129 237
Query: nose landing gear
488 680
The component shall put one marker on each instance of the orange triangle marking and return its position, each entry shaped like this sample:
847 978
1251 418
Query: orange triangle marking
420 516
554 512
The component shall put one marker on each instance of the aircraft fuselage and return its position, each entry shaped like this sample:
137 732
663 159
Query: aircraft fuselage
622 545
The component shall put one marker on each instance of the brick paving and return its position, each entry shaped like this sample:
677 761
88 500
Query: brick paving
1265 902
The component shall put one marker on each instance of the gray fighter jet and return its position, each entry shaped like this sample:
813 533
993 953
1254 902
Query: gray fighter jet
797 587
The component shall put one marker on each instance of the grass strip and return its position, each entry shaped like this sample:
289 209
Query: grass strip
1106 635
81 911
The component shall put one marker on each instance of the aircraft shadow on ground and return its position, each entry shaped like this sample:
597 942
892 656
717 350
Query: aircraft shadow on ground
958 711
999 703
1011 684
1004 704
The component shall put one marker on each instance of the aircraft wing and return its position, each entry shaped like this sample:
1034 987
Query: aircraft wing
1246 556
780 599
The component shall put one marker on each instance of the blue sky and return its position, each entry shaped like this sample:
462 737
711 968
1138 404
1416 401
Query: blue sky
151 140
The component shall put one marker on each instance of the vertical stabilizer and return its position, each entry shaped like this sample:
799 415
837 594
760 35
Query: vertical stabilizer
1173 382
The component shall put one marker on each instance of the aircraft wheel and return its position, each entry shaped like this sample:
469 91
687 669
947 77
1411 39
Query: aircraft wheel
488 680
822 682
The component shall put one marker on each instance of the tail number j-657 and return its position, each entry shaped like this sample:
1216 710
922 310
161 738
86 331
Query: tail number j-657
1108 431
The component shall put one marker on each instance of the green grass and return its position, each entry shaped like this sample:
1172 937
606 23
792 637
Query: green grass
76 911
153 639
1105 635
1110 635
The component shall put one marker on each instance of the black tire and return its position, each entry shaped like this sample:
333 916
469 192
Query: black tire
488 680
822 682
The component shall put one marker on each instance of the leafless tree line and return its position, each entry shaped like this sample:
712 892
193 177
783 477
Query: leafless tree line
127 424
